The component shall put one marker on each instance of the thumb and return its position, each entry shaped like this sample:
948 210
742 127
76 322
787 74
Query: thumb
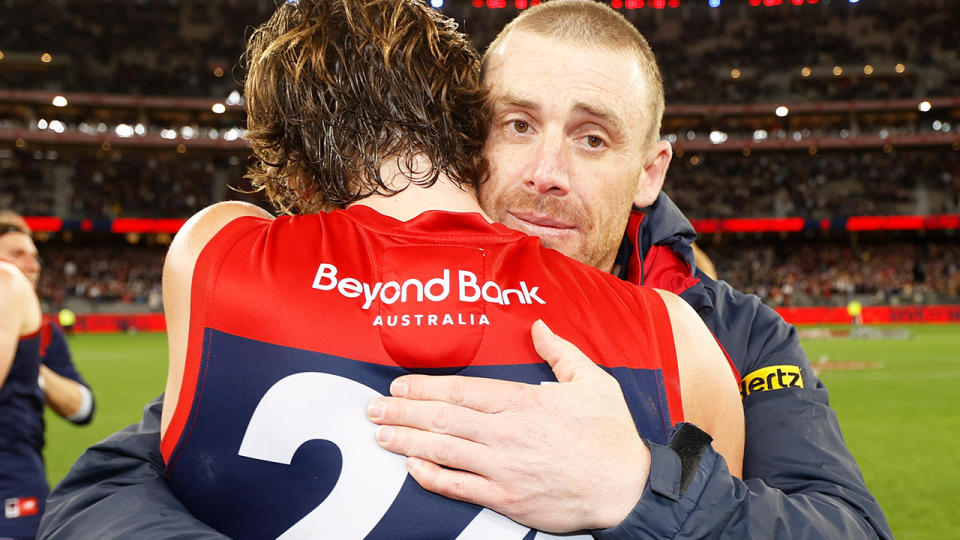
566 360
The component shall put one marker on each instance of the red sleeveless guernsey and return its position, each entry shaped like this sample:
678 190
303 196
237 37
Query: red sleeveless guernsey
297 323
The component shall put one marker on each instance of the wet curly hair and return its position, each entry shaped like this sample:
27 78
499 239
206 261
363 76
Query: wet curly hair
335 87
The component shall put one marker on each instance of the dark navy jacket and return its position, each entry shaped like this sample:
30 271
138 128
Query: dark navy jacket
801 482
800 479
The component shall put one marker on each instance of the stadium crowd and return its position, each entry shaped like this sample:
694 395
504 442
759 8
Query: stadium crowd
107 47
834 273
770 48
788 273
102 274
120 47
918 181
128 182
204 130
110 47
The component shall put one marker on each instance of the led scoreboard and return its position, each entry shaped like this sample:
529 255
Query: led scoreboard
640 4
616 4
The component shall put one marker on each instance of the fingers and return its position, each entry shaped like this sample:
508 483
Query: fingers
434 416
440 449
485 395
454 484
566 360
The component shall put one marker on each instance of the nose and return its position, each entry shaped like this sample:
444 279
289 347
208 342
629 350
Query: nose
550 171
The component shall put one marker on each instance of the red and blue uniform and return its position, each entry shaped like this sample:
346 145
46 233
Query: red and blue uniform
23 483
297 323
55 354
800 480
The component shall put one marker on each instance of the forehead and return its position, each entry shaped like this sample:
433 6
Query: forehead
560 75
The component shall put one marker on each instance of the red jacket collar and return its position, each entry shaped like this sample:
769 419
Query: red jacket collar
660 267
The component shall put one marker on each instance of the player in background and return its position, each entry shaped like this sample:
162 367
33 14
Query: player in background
282 331
23 484
64 389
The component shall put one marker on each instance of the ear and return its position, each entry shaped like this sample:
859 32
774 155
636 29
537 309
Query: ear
654 172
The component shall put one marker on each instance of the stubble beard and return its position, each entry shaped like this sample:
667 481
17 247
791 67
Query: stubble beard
592 243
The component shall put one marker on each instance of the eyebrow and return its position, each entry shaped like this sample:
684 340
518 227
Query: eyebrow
606 115
516 101
603 114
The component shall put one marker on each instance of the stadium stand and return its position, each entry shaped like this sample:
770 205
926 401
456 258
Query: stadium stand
134 182
148 128
86 277
131 50
824 272
919 181
119 182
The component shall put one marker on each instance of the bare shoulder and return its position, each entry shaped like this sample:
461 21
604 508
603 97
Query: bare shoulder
17 292
178 268
708 385
9 273
14 284
204 225
696 346
683 318
186 247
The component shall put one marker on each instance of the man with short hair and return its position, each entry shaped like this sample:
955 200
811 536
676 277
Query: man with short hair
576 107
64 389
24 387
23 484
550 147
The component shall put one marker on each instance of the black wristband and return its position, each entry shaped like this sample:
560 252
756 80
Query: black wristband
688 442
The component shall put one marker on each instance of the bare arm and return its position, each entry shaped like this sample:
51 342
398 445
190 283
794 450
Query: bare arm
65 396
177 279
20 314
711 400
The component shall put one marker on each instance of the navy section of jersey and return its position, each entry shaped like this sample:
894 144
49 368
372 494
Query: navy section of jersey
21 400
23 484
305 441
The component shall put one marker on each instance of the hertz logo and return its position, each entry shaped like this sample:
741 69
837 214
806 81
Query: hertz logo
771 378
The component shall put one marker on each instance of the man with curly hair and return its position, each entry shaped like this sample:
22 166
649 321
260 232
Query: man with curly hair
23 483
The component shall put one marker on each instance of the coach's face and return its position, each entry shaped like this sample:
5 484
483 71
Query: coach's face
18 248
566 146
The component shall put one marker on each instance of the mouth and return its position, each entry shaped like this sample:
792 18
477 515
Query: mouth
537 224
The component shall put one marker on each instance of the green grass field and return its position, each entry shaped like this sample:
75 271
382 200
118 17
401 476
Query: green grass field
125 371
901 418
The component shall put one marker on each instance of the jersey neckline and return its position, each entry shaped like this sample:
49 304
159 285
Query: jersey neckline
456 227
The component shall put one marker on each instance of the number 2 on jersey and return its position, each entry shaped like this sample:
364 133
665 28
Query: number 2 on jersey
308 406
